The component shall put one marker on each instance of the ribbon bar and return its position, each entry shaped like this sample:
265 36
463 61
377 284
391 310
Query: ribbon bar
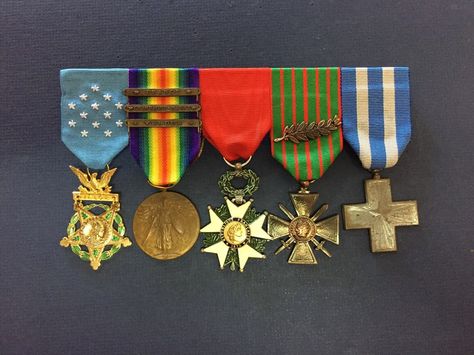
183 122
161 92
163 108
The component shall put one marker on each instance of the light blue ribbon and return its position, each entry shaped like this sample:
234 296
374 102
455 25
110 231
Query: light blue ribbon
100 134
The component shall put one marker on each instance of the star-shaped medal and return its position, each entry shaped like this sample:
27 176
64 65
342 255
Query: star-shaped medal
303 229
96 231
235 233
101 235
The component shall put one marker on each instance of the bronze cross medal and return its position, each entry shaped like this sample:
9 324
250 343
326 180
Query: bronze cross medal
380 214
304 230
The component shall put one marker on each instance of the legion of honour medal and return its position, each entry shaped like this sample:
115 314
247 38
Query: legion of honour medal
376 106
235 120
92 128
306 138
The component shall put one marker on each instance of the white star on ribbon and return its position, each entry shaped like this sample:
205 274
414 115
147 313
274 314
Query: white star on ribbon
107 97
107 115
95 124
84 133
108 133
83 97
95 88
71 106
119 105
83 115
72 123
119 123
95 106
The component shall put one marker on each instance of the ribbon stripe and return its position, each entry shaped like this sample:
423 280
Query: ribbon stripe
238 107
376 108
164 153
305 95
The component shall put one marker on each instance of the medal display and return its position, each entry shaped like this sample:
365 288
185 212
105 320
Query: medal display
235 120
377 125
165 137
167 110
306 138
92 128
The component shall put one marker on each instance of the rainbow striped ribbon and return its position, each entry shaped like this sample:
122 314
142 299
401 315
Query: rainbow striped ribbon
164 153
309 95
376 107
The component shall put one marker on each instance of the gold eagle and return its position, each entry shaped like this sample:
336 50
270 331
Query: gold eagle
90 182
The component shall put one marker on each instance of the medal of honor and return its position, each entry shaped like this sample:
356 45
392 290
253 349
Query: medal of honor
163 116
235 120
91 127
306 138
377 125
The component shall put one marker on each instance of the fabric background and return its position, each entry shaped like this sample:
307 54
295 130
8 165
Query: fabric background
418 301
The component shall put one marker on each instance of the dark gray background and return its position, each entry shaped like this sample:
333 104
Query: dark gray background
419 300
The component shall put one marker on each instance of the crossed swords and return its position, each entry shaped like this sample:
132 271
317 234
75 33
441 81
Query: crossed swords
286 244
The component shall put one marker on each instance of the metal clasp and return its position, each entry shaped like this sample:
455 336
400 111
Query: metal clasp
304 186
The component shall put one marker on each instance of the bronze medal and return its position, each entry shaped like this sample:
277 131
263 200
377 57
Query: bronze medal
380 214
305 229
165 137
166 225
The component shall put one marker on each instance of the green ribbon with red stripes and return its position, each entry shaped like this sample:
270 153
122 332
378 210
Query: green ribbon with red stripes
306 95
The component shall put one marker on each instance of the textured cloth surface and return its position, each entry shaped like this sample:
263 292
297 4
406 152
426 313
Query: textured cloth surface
236 111
305 95
92 125
376 113
416 301
164 153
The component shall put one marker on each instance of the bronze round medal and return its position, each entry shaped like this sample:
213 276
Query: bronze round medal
166 225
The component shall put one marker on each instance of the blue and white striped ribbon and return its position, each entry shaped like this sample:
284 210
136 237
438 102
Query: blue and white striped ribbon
376 113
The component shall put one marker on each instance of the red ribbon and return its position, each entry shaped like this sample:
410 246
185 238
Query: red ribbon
236 109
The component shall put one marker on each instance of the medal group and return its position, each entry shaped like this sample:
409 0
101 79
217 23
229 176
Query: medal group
164 115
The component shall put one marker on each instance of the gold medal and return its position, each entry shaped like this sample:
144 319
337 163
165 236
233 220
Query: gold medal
166 225
96 231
